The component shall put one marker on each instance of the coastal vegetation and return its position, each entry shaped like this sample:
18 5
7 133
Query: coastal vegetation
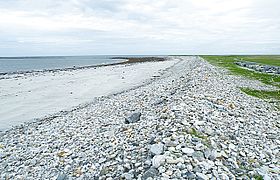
229 62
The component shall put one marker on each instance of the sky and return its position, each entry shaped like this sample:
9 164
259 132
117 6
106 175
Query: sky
150 27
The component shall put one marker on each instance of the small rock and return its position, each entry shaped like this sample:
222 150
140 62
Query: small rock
102 160
169 173
198 155
188 151
189 175
242 153
158 160
202 176
223 177
171 144
157 149
210 154
127 176
148 162
151 173
134 117
161 169
172 149
174 161
231 146
62 176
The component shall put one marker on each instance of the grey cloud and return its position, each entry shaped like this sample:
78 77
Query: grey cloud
139 27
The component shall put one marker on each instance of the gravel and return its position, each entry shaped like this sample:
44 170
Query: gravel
194 117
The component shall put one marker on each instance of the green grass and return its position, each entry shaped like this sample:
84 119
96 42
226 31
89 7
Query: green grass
269 60
258 177
262 94
228 62
197 134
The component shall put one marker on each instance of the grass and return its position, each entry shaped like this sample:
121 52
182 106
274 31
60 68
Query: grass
258 177
269 60
262 94
195 133
228 62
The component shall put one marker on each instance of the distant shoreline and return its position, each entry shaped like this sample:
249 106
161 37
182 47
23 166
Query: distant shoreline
127 60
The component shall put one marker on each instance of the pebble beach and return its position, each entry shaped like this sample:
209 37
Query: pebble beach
191 121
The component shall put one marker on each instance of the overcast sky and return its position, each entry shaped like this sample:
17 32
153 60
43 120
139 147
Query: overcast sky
84 27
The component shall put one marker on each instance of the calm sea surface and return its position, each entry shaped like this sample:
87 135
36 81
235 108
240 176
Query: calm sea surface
17 64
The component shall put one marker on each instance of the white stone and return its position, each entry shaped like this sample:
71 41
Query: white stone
157 149
158 160
202 176
188 151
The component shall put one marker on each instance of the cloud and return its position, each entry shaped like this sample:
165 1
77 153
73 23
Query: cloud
31 27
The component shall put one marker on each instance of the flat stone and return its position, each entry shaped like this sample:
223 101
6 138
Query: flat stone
188 151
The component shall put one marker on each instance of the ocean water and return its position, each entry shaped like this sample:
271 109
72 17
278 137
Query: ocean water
21 64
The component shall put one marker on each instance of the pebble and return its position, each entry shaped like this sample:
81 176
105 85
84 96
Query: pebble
151 173
158 160
157 149
169 173
198 155
202 176
127 176
62 176
223 177
188 151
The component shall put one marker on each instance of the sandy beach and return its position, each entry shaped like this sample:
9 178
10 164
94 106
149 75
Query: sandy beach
29 96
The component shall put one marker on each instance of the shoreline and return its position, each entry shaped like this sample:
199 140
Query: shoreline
82 105
28 98
127 60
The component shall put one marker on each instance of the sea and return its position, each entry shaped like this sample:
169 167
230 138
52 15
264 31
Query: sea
38 63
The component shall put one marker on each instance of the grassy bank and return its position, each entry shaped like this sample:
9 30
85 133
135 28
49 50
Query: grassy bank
273 60
228 62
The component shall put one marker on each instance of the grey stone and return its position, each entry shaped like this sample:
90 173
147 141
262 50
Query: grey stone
189 175
198 155
150 173
62 176
134 117
210 154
